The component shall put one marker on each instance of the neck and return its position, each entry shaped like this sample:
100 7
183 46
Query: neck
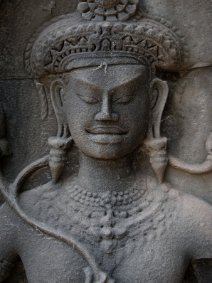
106 175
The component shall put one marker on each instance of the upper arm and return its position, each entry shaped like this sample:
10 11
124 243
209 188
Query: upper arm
7 229
199 226
7 241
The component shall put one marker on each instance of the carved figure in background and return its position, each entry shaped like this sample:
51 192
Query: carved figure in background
112 220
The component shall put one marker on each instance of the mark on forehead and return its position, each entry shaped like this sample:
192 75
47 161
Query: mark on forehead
102 65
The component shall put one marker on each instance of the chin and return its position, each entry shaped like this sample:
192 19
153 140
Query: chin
106 151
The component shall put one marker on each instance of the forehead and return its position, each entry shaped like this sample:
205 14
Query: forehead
109 75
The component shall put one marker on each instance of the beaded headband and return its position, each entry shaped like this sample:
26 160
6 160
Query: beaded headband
108 28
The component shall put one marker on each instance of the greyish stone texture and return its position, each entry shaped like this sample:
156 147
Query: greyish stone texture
193 19
105 141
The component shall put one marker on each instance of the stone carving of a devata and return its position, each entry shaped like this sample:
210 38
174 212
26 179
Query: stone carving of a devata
112 221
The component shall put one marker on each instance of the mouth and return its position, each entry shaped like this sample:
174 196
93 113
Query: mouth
107 130
106 134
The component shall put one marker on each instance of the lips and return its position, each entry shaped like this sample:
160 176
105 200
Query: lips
107 130
106 134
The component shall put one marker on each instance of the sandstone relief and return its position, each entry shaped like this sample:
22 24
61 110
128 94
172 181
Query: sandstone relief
105 171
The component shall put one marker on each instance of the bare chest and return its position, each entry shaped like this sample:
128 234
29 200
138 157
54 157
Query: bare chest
143 260
131 243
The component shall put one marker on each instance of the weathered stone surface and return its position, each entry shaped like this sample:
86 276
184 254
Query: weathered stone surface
121 115
193 20
18 21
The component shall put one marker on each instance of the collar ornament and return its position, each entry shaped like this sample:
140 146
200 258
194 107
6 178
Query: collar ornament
107 199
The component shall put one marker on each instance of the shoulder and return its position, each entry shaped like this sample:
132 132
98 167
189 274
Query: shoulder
189 208
191 214
196 211
34 200
199 220
198 215
195 225
6 214
48 203
8 222
192 211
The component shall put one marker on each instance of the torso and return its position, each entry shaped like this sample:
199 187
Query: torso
135 240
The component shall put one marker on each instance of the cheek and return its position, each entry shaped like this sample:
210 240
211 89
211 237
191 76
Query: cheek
142 113
142 116
78 113
136 114
139 121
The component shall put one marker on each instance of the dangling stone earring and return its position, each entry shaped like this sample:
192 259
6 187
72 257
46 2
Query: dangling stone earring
57 155
62 142
157 148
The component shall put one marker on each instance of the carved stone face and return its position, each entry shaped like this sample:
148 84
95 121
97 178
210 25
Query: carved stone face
107 109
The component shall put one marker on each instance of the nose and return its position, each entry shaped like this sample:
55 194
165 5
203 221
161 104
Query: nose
106 113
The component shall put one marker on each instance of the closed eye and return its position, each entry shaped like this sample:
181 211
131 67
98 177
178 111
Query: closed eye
125 93
90 99
123 98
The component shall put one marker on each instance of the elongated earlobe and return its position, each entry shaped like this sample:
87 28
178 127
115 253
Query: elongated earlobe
57 97
158 94
60 144
157 145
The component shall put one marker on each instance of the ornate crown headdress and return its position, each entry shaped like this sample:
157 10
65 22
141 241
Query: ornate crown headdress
106 28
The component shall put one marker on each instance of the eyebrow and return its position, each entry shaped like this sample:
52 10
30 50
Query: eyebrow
85 82
126 82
